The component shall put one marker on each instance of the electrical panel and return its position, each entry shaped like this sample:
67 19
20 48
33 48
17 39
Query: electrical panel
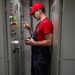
15 33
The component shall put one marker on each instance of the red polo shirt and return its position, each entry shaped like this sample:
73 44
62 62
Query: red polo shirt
43 27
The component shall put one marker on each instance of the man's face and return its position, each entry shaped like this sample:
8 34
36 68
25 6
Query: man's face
37 15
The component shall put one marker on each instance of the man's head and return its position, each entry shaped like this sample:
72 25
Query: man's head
36 7
37 11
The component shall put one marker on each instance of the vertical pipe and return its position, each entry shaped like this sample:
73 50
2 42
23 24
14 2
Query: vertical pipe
31 19
60 31
50 3
6 30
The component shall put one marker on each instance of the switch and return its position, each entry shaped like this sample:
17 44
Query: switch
14 23
15 42
12 17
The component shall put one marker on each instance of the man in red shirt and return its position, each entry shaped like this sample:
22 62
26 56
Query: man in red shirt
41 40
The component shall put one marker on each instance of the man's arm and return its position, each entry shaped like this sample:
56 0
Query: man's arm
27 26
47 42
30 31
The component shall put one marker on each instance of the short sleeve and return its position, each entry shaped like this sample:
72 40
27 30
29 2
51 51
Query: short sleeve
47 28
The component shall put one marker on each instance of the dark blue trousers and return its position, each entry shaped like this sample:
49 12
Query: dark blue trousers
40 60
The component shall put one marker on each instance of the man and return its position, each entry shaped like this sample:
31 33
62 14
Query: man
41 40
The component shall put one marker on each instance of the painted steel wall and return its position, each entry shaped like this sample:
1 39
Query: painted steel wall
55 11
26 34
63 58
67 65
3 42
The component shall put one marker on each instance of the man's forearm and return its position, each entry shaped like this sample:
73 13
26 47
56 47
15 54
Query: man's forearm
43 43
30 31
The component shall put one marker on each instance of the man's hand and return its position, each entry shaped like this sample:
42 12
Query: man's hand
26 25
29 41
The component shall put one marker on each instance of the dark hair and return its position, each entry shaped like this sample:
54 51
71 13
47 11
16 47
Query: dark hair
43 10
